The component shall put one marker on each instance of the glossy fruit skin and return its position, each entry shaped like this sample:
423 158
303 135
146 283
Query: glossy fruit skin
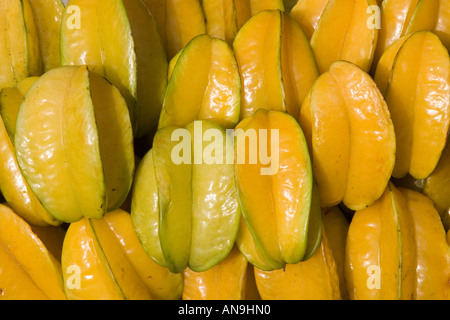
350 136
307 13
387 256
436 187
395 18
28 270
432 250
104 143
421 117
13 185
352 39
313 279
336 228
119 40
48 15
321 277
103 259
432 16
280 77
20 52
377 149
283 229
231 279
381 230
225 18
186 211
178 22
204 84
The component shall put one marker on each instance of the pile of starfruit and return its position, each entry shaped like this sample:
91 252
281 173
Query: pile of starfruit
225 149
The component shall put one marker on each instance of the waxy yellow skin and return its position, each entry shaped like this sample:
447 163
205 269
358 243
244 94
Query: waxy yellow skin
186 214
278 207
179 21
19 43
432 250
350 135
231 279
395 18
385 64
225 18
52 237
432 15
437 187
13 185
221 19
397 249
120 41
321 277
380 250
313 279
103 259
360 114
336 229
47 16
88 168
352 40
10 100
204 84
417 91
276 63
28 271
307 13
448 237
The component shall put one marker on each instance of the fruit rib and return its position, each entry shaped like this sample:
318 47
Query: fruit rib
30 271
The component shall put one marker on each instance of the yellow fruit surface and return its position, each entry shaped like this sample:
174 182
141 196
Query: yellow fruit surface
224 150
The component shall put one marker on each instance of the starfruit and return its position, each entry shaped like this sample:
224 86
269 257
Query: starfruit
13 185
432 15
383 71
224 18
380 252
395 17
319 278
10 100
52 237
204 84
276 63
437 187
103 259
185 206
28 270
280 208
74 143
179 21
47 17
351 136
396 249
416 79
119 40
432 250
343 33
307 13
336 229
314 279
231 279
19 43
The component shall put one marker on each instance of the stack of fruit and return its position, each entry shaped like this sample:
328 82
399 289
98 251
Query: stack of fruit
224 149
